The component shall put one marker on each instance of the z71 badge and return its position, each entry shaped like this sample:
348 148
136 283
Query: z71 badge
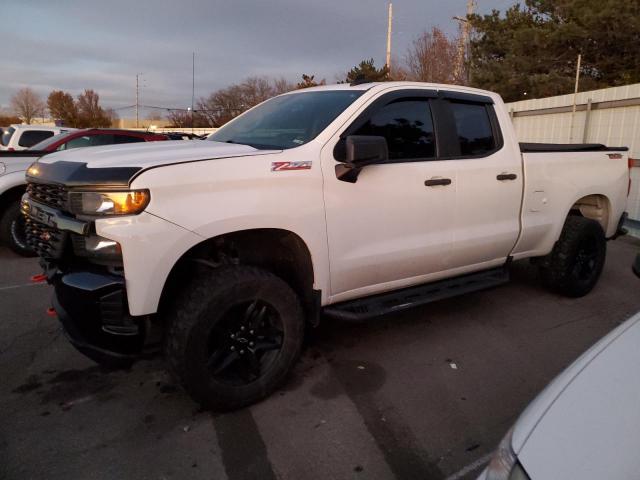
282 166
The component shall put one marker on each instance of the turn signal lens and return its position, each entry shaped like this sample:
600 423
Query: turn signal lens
109 203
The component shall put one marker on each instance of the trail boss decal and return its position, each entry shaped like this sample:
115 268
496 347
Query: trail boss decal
282 166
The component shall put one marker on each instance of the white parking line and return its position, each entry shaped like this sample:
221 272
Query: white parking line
23 285
471 467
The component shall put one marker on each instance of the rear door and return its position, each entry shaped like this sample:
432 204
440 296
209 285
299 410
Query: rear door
489 179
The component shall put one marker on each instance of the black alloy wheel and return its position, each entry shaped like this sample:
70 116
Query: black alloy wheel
244 343
233 335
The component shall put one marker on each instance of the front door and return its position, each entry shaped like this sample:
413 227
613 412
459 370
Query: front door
393 226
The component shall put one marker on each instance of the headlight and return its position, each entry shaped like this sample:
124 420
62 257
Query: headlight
129 202
504 463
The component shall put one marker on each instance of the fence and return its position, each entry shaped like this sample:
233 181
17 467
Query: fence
610 116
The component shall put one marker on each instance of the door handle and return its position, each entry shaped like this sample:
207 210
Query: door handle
507 176
433 182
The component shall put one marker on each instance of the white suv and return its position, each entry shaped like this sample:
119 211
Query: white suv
21 137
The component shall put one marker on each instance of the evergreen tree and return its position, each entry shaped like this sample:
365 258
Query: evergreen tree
534 48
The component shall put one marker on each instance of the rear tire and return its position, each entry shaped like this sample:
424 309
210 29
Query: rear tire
13 229
234 335
576 262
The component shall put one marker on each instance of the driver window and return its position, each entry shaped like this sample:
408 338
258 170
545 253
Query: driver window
407 126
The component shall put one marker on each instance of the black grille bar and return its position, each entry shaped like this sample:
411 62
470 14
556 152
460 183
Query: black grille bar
53 195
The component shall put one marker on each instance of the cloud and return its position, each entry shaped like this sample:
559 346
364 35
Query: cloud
74 44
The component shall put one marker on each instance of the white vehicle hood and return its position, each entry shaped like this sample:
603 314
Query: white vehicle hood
586 423
152 154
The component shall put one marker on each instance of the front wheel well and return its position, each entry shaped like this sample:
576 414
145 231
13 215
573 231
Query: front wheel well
278 251
14 193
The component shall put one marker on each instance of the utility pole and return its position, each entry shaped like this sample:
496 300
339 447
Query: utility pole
193 85
575 94
137 102
389 38
463 46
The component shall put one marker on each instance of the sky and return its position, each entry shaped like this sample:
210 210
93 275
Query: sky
101 45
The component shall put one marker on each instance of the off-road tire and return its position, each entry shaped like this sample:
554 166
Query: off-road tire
201 305
12 229
563 270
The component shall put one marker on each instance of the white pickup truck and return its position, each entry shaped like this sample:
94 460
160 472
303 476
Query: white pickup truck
348 200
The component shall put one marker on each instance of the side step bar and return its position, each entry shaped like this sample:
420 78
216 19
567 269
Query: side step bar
382 304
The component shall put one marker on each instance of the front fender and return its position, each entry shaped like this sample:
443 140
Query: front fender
11 180
150 248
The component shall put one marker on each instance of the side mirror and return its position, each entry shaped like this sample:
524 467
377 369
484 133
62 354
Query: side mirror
361 150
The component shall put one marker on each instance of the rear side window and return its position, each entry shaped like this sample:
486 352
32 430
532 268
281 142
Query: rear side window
101 140
78 142
6 135
407 126
127 139
31 137
474 130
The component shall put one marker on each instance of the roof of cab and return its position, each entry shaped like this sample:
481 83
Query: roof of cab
395 84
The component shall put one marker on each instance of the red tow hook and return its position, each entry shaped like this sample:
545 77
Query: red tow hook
52 312
41 277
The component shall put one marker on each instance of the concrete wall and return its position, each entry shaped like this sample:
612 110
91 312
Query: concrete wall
610 116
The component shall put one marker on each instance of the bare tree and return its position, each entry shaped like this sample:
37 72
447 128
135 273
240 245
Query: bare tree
179 118
62 107
282 85
223 105
91 114
432 58
112 116
27 104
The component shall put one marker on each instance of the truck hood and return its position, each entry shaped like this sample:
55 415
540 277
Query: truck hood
586 423
118 165
152 154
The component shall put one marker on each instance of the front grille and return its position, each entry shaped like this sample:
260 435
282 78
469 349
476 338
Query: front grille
47 242
50 194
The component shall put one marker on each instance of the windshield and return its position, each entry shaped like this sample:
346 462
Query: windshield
6 135
287 121
44 145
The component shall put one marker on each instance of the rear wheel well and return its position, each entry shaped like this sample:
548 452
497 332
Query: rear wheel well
280 252
596 207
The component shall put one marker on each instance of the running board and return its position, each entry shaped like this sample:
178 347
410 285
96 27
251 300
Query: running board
395 301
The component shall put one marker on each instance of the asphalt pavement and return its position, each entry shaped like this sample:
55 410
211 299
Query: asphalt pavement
425 394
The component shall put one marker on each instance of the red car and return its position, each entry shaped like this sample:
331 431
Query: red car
94 137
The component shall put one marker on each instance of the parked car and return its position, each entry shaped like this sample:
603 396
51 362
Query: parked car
585 424
95 137
351 200
20 137
184 136
13 166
